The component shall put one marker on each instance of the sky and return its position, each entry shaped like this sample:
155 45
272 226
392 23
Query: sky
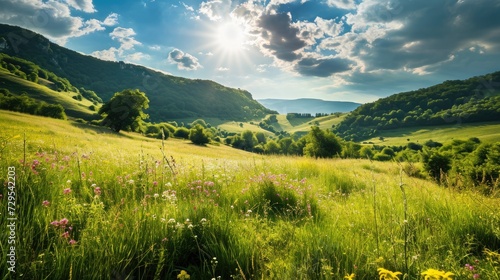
345 50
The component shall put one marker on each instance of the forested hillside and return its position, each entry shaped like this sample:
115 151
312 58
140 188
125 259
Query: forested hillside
171 97
460 101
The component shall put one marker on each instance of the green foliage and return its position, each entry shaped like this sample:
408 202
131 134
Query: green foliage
25 104
171 97
181 132
321 144
222 213
199 135
125 110
436 163
468 101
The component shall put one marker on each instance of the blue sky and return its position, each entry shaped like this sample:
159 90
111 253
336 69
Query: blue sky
349 50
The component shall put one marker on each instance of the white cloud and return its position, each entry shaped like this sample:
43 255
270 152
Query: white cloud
109 54
183 60
216 9
137 56
222 69
52 19
82 5
342 4
125 36
111 20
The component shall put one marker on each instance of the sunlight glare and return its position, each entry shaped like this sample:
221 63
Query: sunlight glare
230 37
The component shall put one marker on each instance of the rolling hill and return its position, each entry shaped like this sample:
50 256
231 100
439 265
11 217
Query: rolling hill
308 105
170 97
474 100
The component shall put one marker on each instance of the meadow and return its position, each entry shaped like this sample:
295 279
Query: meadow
92 204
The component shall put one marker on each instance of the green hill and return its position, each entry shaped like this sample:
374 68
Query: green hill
170 97
18 86
452 102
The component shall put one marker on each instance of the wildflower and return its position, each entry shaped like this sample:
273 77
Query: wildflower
156 195
97 191
388 275
190 226
168 184
55 223
67 191
171 221
430 274
183 275
46 203
72 242
155 183
203 221
65 234
63 222
350 277
68 182
475 276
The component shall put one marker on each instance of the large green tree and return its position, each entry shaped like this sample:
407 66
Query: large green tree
125 109
321 143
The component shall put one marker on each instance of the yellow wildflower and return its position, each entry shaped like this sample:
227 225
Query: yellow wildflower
434 274
350 277
183 275
388 275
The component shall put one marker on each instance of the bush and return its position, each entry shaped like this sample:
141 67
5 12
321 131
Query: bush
198 135
435 164
181 132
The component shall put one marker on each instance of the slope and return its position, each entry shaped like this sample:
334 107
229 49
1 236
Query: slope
73 108
170 97
452 102
308 105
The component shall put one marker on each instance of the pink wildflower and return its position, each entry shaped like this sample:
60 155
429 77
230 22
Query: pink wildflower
97 191
67 191
63 222
155 183
46 203
65 234
55 223
72 242
475 276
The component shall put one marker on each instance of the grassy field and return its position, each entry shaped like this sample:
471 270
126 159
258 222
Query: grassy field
73 108
91 204
487 132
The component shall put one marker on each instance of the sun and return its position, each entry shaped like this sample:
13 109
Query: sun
230 37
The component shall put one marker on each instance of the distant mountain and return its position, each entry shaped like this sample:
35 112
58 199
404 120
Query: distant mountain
473 100
308 105
170 97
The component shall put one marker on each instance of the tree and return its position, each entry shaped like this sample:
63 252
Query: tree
125 109
435 163
249 139
198 135
322 144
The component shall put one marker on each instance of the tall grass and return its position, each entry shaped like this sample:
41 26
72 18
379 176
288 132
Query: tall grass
227 213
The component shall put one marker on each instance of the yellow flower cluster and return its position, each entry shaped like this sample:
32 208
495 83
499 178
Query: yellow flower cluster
183 275
434 274
387 274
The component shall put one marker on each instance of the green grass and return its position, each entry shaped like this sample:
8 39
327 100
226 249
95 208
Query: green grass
260 217
73 108
487 132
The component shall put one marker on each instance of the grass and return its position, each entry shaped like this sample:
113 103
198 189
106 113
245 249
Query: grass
225 212
73 108
487 132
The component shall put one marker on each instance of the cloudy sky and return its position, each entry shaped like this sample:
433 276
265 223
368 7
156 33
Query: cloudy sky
350 50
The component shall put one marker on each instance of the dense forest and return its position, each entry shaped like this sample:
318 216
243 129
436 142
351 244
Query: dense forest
473 100
170 96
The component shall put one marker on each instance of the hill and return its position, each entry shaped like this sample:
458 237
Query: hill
216 212
452 102
170 96
43 86
308 105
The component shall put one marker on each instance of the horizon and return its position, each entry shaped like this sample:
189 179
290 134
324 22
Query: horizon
333 50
